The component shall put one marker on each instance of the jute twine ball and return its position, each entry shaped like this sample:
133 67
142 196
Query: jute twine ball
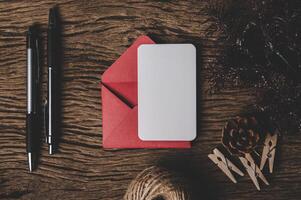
156 183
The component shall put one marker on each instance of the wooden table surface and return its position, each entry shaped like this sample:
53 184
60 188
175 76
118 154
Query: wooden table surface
95 33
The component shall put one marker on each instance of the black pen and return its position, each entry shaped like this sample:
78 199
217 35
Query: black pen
52 79
32 95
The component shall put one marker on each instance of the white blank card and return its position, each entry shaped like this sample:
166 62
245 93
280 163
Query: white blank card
167 92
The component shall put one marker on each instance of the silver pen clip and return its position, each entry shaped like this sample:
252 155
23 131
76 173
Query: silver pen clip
45 120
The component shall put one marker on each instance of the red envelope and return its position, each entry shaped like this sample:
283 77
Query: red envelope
120 104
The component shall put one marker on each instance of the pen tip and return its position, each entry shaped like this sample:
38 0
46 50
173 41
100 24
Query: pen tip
50 149
30 162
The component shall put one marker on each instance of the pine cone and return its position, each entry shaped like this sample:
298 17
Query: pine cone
241 135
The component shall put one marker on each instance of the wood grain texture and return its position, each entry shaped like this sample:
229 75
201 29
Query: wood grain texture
95 34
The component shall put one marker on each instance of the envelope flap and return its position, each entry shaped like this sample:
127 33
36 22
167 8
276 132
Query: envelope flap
124 69
126 91
121 77
115 110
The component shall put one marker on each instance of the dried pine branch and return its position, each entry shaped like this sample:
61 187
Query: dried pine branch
262 50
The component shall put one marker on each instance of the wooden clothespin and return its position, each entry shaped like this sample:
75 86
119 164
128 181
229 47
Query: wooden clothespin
269 150
224 164
253 170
